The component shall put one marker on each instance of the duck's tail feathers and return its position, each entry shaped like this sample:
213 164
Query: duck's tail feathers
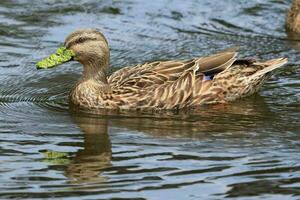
271 65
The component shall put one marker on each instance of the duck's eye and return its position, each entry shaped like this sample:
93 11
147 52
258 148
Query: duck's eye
80 40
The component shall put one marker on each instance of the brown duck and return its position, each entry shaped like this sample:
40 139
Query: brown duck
161 85
293 17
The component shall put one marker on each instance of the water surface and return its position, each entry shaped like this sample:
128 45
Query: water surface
248 149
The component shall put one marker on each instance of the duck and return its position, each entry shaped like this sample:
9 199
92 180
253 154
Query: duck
159 85
293 17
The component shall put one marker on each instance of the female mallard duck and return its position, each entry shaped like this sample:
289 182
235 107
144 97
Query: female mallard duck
218 78
293 17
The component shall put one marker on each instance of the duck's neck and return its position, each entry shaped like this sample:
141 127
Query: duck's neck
96 72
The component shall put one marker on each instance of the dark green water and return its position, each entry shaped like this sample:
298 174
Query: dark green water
249 149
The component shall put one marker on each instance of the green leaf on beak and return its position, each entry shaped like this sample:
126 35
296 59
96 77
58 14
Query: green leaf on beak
61 56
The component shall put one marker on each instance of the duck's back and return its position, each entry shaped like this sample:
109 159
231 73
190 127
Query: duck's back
167 84
219 78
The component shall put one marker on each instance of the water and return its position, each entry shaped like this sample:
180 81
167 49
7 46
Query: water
248 149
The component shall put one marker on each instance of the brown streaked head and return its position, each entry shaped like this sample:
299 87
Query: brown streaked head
87 46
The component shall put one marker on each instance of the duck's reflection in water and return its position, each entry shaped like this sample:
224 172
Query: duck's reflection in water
88 162
231 120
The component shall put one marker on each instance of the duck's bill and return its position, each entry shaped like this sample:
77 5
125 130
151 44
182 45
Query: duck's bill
61 56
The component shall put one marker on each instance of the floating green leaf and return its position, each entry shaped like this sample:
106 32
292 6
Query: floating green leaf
56 157
62 55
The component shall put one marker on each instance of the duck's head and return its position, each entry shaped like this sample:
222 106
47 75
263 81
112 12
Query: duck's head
87 46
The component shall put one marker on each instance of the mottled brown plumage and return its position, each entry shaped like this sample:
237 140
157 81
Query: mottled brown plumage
293 17
162 85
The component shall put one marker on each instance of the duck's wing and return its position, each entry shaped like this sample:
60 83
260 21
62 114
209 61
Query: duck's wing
168 84
165 72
